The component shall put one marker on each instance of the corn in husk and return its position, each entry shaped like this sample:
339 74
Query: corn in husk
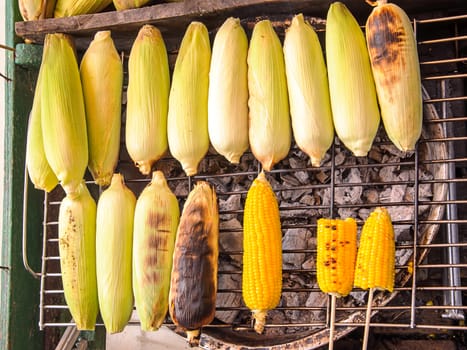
68 8
102 79
36 9
269 128
156 220
394 59
77 248
352 88
63 117
187 125
114 240
228 91
310 106
129 4
147 99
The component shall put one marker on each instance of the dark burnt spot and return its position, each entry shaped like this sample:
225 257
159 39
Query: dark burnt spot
157 219
158 241
327 263
151 260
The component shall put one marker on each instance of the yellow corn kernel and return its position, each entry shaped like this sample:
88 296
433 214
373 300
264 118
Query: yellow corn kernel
67 8
262 251
337 250
376 253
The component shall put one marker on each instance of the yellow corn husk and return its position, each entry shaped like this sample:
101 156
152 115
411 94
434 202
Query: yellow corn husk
156 220
32 10
102 79
63 118
77 248
396 70
337 251
376 253
269 128
262 251
193 285
129 4
68 8
147 99
188 101
228 91
310 106
40 172
352 88
114 241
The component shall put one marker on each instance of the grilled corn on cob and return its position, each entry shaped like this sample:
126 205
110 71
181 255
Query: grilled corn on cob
114 239
102 78
77 248
307 82
193 285
269 128
396 70
36 9
337 251
188 101
156 220
228 91
63 118
147 99
68 8
352 88
262 251
376 252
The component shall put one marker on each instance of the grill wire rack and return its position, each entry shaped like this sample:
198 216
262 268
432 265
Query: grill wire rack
430 293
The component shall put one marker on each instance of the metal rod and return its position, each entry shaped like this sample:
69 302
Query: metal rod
366 333
332 323
44 263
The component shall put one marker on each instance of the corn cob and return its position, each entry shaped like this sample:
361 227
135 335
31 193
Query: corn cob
228 91
68 8
39 170
307 82
77 248
32 10
337 250
262 251
376 252
63 118
114 239
147 99
269 128
193 285
156 220
394 60
188 100
129 4
102 78
351 85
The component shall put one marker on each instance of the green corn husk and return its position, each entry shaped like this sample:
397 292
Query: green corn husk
187 125
269 130
32 10
77 248
351 85
114 239
147 99
63 117
102 78
307 82
156 220
68 8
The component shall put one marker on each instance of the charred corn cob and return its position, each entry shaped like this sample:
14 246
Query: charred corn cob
63 117
129 4
396 70
228 91
193 285
67 8
337 251
188 101
269 128
77 248
262 251
156 220
147 99
102 78
114 239
307 82
36 9
40 172
351 85
376 253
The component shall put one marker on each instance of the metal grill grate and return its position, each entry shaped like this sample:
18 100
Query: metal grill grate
430 291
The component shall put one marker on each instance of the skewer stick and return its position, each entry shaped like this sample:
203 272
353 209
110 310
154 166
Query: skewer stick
332 322
367 319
